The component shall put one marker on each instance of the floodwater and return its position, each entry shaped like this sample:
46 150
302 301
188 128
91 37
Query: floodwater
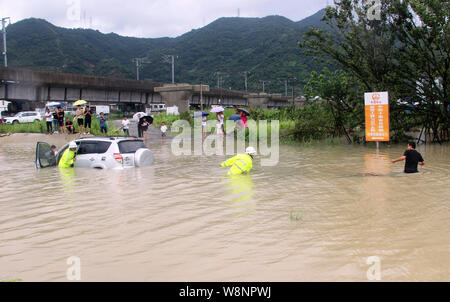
317 216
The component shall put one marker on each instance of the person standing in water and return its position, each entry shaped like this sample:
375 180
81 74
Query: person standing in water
220 123
204 123
242 163
69 156
126 126
163 130
413 159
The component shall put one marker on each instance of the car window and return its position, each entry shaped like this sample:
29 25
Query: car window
130 146
93 147
102 147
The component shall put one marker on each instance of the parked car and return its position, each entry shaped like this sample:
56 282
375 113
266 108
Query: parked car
99 153
23 117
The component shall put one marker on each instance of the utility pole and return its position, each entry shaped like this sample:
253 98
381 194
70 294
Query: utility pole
201 95
245 73
139 62
264 85
219 82
293 88
285 87
171 60
5 57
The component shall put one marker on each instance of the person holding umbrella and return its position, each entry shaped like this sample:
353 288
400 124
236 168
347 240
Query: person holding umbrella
145 123
79 115
236 118
204 116
220 117
244 113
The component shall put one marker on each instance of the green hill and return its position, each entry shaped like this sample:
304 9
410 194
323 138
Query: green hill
265 47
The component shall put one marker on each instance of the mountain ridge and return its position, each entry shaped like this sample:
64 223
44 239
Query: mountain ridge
267 47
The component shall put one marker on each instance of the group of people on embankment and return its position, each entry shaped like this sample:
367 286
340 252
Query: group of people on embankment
57 122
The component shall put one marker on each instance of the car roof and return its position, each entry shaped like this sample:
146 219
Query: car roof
109 139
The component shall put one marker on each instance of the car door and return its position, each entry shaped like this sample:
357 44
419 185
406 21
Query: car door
92 154
25 118
29 117
45 157
86 154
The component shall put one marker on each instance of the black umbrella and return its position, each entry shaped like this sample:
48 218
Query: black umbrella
245 111
149 119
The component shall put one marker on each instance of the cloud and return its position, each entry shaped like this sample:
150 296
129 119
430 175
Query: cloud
154 18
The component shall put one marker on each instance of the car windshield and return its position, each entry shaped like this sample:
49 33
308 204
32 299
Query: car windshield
131 146
18 114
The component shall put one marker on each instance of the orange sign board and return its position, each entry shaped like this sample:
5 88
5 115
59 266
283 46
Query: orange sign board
377 116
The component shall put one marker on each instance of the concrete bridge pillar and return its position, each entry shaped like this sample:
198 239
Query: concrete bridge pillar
179 94
258 100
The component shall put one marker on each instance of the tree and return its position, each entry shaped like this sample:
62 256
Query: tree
341 91
404 51
421 28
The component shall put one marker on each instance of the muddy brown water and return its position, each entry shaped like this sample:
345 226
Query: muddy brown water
317 216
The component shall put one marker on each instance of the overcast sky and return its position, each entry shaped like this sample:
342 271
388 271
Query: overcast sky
152 18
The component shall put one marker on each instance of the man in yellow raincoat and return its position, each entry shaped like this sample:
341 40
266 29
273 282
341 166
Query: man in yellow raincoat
242 163
69 156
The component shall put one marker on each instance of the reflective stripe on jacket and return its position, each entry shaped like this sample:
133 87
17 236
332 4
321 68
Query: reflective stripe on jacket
240 164
67 159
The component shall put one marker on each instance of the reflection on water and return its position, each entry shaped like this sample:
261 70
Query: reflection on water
316 216
241 193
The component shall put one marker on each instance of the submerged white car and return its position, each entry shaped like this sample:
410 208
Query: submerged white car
23 117
99 153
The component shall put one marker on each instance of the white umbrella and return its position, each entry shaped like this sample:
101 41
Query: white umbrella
218 109
138 116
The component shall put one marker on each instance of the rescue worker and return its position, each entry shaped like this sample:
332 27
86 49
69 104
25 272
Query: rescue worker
69 156
242 163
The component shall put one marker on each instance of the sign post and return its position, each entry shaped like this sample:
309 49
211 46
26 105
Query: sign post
377 117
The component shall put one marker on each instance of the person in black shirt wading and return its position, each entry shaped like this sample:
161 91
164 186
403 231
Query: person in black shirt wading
413 159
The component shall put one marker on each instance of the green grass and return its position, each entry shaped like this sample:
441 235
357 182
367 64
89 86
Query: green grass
297 126
41 127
